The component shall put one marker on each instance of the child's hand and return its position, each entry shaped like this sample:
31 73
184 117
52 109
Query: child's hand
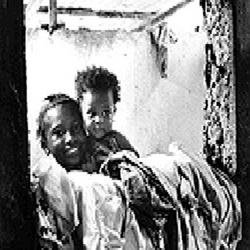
101 154
102 149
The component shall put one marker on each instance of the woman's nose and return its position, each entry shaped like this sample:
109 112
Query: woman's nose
68 136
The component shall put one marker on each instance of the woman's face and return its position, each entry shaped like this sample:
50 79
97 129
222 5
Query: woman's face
98 110
65 135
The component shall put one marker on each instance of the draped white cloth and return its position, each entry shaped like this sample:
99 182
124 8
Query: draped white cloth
92 204
208 213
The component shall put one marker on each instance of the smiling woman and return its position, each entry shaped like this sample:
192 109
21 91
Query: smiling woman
63 132
73 205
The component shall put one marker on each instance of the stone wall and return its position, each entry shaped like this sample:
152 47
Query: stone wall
219 128
226 134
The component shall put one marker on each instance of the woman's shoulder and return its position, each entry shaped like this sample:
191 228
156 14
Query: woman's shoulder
97 182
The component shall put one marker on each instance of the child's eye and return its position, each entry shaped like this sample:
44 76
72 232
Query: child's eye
106 113
57 132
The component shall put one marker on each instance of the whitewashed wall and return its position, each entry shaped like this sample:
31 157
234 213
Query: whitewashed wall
153 111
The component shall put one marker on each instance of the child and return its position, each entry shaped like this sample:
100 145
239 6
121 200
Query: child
75 209
98 92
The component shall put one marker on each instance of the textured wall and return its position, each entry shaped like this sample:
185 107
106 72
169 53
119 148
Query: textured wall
219 128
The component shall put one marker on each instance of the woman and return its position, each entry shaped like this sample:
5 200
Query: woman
83 209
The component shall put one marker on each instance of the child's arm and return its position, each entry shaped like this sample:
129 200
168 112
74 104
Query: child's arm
123 143
111 143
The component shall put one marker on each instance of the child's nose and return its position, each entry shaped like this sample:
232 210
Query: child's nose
98 119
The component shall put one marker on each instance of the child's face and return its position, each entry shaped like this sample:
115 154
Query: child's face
98 110
65 135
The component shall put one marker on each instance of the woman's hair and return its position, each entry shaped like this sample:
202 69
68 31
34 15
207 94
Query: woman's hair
50 102
97 79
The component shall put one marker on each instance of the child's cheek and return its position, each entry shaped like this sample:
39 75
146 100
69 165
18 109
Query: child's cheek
108 126
91 131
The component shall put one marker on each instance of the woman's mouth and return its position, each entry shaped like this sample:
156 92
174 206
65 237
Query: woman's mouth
72 150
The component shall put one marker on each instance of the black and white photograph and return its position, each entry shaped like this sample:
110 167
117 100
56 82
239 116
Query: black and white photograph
125 125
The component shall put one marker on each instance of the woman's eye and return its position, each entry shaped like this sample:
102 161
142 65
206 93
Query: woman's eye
91 114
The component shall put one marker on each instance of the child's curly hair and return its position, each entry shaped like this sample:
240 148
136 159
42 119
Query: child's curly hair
50 102
97 78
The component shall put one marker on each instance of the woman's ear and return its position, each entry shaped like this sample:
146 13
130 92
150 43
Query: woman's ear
44 146
46 150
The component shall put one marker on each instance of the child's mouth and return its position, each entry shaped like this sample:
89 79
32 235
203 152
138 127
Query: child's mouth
98 132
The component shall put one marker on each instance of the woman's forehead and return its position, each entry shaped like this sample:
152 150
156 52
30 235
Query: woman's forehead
63 113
